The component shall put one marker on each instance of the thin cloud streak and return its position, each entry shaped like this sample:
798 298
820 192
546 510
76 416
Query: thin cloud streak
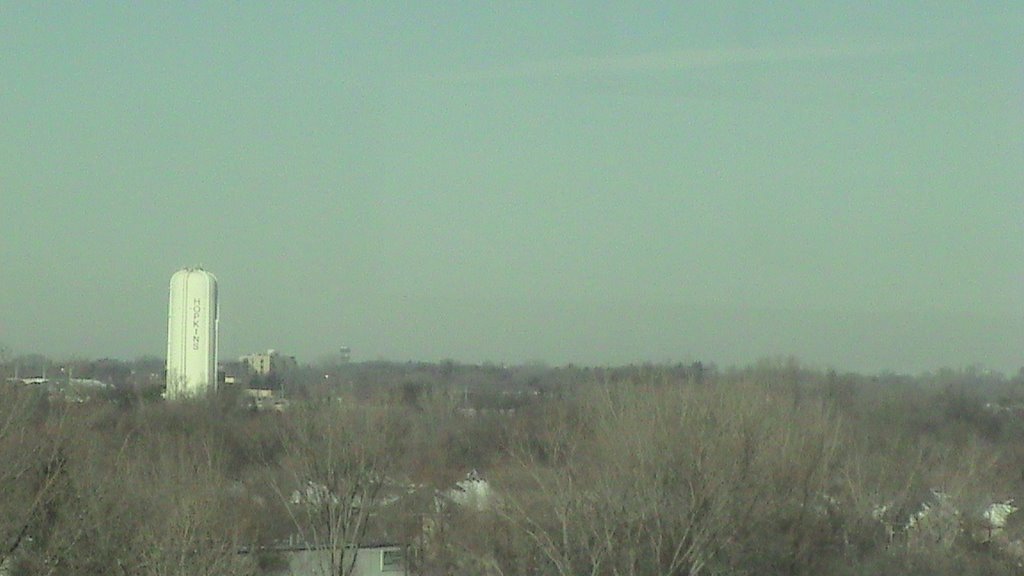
683 60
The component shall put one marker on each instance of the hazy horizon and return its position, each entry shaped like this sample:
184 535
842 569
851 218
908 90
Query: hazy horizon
509 182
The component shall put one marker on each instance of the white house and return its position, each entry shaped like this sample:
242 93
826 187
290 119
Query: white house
377 560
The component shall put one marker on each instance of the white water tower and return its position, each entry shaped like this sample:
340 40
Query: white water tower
192 334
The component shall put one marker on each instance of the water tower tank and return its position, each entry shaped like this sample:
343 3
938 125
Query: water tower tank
192 334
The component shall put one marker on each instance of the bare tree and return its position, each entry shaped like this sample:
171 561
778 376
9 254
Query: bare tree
660 479
143 500
33 465
333 475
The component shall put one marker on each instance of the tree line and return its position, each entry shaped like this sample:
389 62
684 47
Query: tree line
649 469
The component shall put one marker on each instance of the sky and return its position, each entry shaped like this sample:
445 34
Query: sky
589 183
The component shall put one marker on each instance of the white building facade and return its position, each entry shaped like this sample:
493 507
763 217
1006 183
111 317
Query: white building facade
385 560
193 316
271 361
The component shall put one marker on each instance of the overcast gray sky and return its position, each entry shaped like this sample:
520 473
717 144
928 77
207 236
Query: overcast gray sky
565 182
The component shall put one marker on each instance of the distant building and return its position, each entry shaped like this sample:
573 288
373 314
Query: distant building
379 560
345 354
69 389
192 334
234 371
263 363
473 492
265 399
